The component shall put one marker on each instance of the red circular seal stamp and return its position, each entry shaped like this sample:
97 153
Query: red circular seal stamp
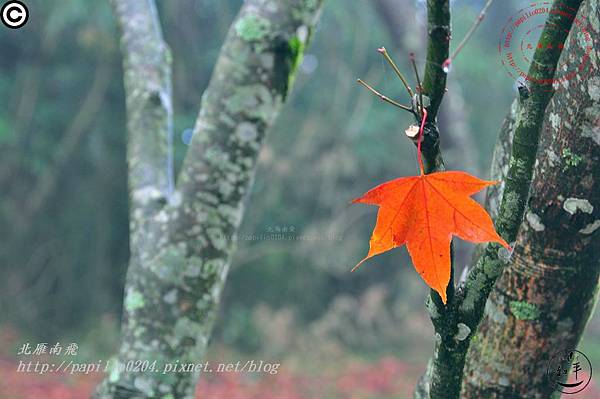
520 40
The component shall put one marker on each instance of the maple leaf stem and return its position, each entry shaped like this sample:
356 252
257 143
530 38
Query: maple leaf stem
420 139
383 97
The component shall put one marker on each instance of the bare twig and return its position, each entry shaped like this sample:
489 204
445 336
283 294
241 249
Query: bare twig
468 35
178 232
383 97
386 55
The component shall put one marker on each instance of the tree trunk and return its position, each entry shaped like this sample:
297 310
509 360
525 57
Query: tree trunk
455 322
544 298
182 240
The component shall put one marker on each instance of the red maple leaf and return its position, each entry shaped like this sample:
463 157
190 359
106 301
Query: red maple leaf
424 212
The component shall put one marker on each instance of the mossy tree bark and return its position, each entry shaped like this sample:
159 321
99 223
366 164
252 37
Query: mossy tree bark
455 322
440 379
439 33
546 294
181 236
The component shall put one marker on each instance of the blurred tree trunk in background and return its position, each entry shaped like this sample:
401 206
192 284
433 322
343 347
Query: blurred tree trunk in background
544 298
182 236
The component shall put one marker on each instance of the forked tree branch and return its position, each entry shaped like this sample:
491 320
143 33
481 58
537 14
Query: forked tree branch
455 322
147 78
548 291
528 125
180 257
440 378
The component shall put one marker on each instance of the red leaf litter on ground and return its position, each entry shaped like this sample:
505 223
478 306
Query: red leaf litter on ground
14 385
387 378
355 380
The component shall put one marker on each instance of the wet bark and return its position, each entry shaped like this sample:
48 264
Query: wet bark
182 239
440 379
545 296
438 46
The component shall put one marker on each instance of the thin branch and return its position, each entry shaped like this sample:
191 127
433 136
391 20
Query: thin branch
440 380
385 54
469 33
419 87
383 97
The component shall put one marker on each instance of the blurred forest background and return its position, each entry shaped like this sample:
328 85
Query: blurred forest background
290 296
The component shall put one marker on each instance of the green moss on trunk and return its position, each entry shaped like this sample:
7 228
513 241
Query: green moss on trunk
180 258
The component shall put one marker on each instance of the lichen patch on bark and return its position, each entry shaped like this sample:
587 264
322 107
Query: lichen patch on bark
252 27
573 205
534 221
590 228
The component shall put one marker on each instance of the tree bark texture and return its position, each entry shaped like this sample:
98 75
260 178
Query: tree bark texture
181 241
500 161
455 322
544 298
438 45
528 123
